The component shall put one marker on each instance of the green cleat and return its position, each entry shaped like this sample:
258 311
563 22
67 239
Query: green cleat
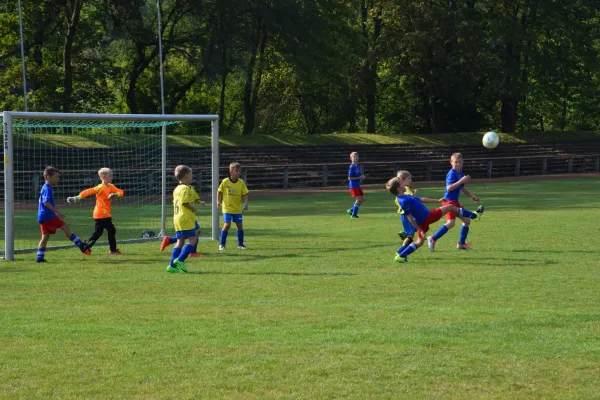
479 212
402 235
173 270
400 259
349 212
181 266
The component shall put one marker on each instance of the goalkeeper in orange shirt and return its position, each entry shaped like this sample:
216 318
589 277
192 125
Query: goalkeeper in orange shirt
104 192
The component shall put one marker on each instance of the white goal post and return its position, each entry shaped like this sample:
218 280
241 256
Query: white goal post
65 123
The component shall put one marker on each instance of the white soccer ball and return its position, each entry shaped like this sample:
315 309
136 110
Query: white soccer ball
491 140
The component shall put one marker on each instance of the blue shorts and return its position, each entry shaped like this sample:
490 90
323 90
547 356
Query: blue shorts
197 226
237 218
185 234
409 229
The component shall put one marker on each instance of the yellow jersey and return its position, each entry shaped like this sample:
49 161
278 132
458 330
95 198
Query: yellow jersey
184 219
407 191
232 195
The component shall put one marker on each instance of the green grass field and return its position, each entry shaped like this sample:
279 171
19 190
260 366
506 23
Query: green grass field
317 308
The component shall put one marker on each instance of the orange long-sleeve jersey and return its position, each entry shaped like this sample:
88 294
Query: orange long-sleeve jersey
102 209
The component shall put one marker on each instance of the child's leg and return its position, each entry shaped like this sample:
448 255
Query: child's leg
41 251
98 231
358 201
464 230
411 248
112 234
224 233
177 250
405 244
240 233
187 249
72 237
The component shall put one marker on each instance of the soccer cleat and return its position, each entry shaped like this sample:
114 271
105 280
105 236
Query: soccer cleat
173 270
181 265
400 259
431 243
221 247
479 212
242 247
86 252
466 246
349 212
353 216
196 255
43 260
165 243
115 253
402 235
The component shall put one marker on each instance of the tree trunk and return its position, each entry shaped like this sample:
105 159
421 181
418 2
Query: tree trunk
252 82
369 74
72 20
139 66
509 114
224 73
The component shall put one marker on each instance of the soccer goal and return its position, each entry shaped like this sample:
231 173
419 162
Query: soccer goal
142 150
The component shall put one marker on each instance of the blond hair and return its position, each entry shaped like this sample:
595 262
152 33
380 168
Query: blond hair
403 174
456 156
104 172
181 171
392 185
234 165
354 153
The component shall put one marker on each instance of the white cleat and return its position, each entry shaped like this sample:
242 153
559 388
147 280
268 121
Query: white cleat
466 247
431 243
221 247
242 247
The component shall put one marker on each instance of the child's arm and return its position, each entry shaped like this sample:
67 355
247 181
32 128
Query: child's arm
471 195
461 181
85 193
245 198
428 200
201 202
191 207
115 192
219 199
54 210
414 223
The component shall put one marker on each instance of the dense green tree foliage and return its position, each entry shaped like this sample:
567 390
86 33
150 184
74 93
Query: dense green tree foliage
313 66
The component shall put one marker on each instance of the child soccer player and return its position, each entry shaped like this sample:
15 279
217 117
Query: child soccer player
408 232
184 219
455 183
419 215
104 192
231 193
50 219
168 240
355 176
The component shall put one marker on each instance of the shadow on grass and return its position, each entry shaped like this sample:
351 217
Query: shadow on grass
273 273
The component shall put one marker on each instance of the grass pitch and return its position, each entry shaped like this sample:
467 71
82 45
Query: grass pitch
317 308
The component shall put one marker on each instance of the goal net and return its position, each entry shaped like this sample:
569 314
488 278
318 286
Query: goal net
142 151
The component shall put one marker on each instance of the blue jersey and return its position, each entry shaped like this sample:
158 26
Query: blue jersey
46 196
452 178
354 172
413 206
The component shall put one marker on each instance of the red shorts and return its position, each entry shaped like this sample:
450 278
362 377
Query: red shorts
356 192
450 215
434 216
49 227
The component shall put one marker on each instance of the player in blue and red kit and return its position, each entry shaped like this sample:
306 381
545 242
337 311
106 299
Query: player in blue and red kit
455 183
355 176
419 215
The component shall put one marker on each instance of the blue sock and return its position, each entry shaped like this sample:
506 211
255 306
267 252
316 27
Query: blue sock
174 254
440 232
466 213
464 231
240 235
401 249
40 254
409 250
73 238
185 252
355 209
172 239
224 237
